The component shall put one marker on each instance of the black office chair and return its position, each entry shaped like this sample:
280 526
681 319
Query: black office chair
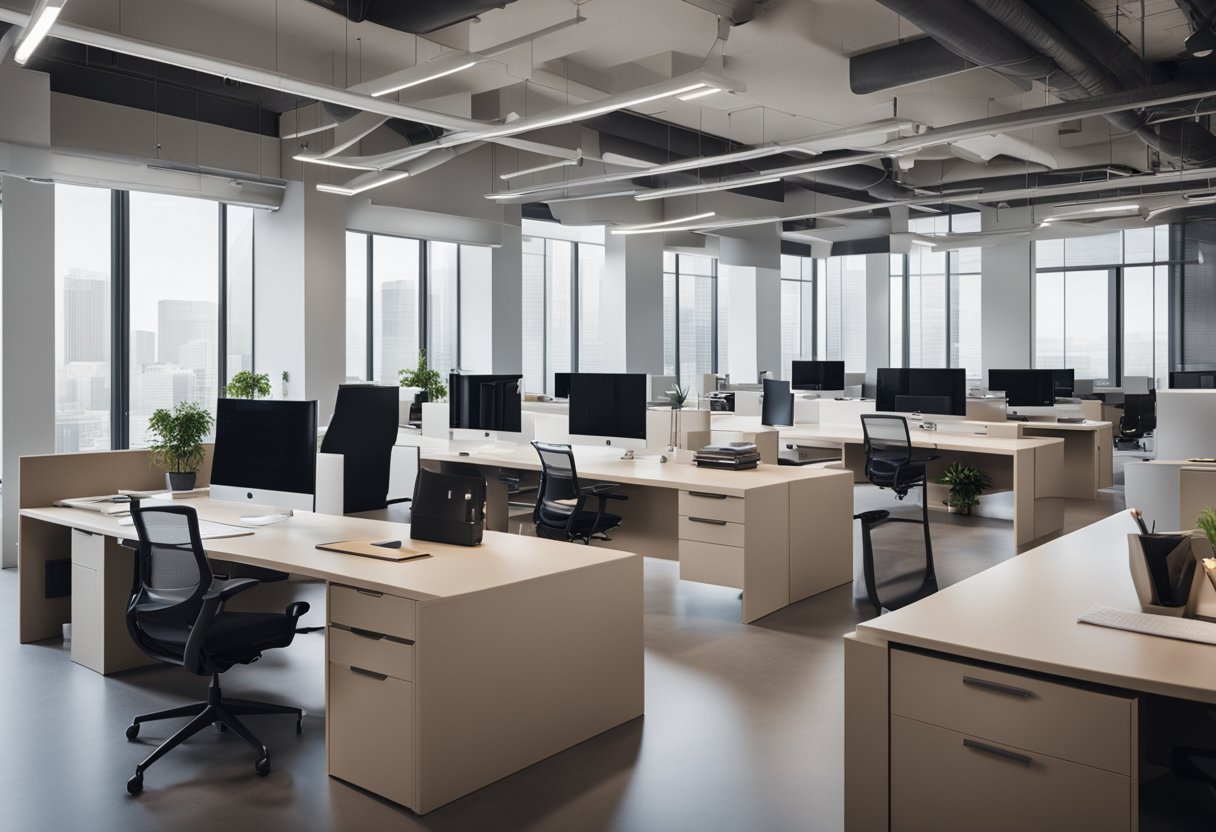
560 512
891 464
177 616
363 429
1139 419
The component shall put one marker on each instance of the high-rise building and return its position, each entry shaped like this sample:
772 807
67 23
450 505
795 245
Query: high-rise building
143 348
181 321
399 325
86 316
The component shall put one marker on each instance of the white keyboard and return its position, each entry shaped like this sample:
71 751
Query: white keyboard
1163 626
206 528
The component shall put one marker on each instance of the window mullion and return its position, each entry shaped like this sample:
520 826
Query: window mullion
120 365
369 339
222 318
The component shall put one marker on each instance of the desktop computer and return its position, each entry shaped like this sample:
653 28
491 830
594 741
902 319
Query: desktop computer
938 391
265 454
1025 388
608 409
561 385
484 406
817 375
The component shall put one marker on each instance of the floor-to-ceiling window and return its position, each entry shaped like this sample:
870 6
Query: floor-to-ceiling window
797 311
83 311
418 296
691 317
841 314
895 311
567 311
1101 304
142 284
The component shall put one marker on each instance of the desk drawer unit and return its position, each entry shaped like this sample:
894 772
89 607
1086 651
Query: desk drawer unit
370 714
712 538
973 747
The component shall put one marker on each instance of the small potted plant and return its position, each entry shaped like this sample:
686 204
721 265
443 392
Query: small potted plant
286 377
429 383
177 443
966 484
678 396
248 385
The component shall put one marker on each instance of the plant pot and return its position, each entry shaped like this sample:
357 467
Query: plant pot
181 480
964 510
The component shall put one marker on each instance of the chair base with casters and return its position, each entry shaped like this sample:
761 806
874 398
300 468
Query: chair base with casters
223 713
871 520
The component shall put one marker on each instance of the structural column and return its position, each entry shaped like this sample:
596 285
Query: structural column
1005 291
632 303
749 261
507 292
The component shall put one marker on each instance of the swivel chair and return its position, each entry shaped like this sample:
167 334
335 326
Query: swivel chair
1139 419
891 464
560 512
176 615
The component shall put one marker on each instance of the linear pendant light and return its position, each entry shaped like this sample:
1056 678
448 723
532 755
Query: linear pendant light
42 18
560 163
658 227
444 65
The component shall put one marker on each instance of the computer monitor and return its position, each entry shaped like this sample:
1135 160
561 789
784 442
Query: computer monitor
1025 388
265 454
1065 382
1193 380
561 385
484 406
777 405
944 390
608 409
817 375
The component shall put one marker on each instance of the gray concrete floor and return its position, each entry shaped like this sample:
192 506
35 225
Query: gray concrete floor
743 725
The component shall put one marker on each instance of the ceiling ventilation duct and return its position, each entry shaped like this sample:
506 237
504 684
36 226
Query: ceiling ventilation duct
418 17
735 11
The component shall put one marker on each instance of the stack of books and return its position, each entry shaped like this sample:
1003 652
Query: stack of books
737 456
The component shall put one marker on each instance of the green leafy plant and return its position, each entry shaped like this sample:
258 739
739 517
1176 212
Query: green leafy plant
422 376
1206 523
177 437
248 385
678 397
286 377
966 484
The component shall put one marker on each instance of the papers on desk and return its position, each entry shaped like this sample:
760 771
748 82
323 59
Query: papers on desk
379 549
207 530
107 504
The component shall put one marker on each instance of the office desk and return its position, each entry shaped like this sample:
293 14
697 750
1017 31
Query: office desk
495 658
906 711
1170 493
1089 453
779 534
1030 468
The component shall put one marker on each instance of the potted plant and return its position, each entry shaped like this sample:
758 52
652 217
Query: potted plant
248 385
428 381
286 378
678 396
177 444
966 484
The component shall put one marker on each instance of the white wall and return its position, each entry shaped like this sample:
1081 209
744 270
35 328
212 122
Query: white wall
1005 301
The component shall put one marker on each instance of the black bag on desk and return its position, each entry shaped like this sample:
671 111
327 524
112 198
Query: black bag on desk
448 508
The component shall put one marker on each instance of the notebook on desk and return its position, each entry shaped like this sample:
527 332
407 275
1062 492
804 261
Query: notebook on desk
373 549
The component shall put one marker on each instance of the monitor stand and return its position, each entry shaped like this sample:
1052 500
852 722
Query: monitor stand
267 519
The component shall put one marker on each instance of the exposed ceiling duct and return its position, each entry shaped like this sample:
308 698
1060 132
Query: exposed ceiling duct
1062 43
919 59
418 17
734 11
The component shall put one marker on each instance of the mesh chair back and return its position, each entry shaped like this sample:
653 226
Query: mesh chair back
558 481
171 574
886 436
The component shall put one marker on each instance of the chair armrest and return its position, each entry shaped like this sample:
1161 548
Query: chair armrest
599 489
223 590
613 497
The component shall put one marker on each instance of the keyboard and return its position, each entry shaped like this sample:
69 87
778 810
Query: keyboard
1163 626
206 528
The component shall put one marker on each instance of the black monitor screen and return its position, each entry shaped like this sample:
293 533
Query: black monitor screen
484 402
1065 382
1025 388
267 445
561 385
608 404
817 375
1201 380
944 390
778 405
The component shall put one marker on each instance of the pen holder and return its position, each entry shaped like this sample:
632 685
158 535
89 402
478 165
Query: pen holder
1165 571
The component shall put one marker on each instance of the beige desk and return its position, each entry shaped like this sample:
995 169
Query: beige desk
779 534
908 711
1030 468
1170 493
1089 452
443 674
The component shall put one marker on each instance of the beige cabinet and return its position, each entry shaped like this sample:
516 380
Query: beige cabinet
975 747
102 572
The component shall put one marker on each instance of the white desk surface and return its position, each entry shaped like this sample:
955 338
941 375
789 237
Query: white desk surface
289 546
606 464
1023 613
938 439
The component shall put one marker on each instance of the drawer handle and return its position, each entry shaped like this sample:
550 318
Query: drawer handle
370 592
1012 756
706 496
997 687
379 677
366 633
707 522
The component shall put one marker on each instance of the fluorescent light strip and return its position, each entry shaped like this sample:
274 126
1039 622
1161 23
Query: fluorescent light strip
693 96
423 80
347 190
709 187
659 226
561 163
570 118
43 18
